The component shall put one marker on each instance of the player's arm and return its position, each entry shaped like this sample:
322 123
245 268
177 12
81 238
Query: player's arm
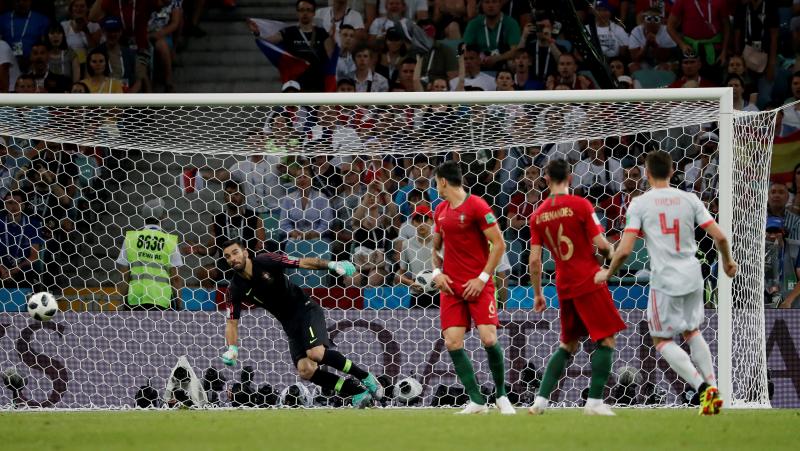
342 268
473 287
723 246
441 279
535 265
605 248
624 250
235 298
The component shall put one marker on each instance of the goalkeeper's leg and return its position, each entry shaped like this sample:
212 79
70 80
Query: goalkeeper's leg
309 370
337 361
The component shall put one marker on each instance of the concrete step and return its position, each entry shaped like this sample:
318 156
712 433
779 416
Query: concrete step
231 58
253 72
267 84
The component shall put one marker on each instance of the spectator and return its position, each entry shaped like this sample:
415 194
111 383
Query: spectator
133 16
308 42
234 222
504 80
81 34
25 84
495 34
413 10
739 102
777 208
704 31
342 15
345 65
9 69
415 256
393 55
62 60
149 261
373 232
404 77
523 78
598 175
98 75
617 206
650 43
794 187
80 87
366 79
736 66
568 75
530 191
781 266
163 23
755 25
393 14
305 213
326 176
20 243
789 115
46 81
690 68
613 38
542 50
121 59
439 62
348 196
21 28
450 17
619 72
473 75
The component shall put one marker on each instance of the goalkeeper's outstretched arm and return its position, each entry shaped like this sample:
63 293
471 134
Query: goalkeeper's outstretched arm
232 332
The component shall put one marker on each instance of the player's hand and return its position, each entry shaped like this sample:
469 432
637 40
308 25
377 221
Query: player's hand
785 304
473 288
730 268
229 356
342 268
416 288
442 282
601 276
539 303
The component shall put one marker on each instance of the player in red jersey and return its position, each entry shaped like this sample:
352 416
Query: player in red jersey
466 225
568 227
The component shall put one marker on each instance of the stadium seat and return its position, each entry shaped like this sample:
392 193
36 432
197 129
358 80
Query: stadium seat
308 248
653 78
387 297
199 299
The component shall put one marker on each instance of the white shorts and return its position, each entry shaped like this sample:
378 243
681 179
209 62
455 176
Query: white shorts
668 315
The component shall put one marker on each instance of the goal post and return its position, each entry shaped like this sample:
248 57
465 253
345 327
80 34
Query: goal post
154 135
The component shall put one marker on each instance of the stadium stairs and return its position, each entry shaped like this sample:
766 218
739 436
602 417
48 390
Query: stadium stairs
226 59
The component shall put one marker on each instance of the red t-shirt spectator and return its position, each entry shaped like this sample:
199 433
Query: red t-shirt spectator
700 19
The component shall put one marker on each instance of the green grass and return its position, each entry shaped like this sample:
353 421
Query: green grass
396 429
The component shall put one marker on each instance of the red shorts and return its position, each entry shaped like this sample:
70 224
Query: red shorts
593 314
456 312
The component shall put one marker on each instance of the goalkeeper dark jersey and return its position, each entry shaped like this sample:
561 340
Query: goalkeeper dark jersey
269 288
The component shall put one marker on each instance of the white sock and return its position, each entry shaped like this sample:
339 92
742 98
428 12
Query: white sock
680 361
591 402
701 356
540 402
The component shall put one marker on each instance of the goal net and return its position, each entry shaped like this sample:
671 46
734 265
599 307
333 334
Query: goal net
349 177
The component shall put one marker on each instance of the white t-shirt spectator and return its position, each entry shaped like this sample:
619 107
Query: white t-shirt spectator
7 57
482 80
380 26
324 19
373 83
345 67
77 40
416 255
412 7
259 183
175 259
791 118
611 39
638 38
587 174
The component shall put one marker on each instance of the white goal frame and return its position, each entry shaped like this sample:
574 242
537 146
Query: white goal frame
724 96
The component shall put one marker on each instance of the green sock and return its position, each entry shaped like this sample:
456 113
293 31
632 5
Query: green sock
466 374
496 365
601 368
553 372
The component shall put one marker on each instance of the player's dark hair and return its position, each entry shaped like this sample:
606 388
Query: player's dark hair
231 242
658 164
557 170
450 171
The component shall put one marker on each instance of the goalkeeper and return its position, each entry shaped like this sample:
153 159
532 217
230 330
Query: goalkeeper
262 282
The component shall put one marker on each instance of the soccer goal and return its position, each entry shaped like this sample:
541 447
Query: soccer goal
348 176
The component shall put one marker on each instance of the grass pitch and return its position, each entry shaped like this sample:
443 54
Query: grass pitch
396 429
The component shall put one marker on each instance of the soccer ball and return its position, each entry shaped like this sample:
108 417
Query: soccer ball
407 390
42 306
425 278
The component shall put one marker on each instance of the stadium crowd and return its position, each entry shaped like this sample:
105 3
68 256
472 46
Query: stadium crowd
378 212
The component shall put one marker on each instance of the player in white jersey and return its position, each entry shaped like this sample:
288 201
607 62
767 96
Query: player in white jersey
667 218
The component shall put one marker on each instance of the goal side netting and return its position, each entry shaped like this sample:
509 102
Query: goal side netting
349 177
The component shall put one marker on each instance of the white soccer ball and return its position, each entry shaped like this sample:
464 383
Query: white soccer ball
42 306
425 278
628 375
407 389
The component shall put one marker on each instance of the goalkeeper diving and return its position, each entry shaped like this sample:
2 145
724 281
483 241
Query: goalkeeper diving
262 282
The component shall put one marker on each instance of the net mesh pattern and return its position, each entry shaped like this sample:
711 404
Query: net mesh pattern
85 174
